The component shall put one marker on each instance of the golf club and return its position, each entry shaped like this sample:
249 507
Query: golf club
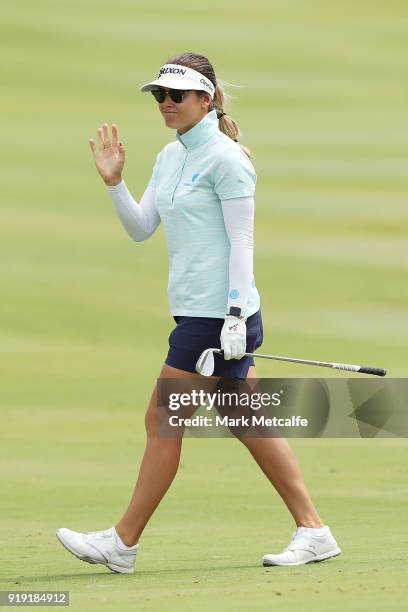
205 363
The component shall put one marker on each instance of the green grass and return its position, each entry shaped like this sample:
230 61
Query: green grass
84 318
204 544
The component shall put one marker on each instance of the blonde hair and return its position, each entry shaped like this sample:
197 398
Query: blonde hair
200 63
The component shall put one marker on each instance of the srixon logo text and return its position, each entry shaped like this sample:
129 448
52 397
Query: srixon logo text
172 70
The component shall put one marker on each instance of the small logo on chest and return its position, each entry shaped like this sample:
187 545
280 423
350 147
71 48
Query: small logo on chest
193 180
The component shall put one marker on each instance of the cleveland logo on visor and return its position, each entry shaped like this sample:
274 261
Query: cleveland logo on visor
207 85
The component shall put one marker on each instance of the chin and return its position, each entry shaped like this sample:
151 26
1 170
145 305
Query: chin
172 120
169 117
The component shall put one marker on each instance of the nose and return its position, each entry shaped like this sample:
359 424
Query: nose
167 106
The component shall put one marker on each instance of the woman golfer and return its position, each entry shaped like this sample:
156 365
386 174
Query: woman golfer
202 189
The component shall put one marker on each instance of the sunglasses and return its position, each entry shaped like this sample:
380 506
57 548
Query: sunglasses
175 94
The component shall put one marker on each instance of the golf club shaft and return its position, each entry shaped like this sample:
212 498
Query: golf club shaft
325 364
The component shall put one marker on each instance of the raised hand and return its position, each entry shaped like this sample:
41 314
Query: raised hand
109 155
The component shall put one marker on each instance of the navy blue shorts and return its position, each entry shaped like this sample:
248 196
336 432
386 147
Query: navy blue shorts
195 334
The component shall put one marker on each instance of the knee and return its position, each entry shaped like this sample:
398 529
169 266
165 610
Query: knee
158 437
150 423
246 441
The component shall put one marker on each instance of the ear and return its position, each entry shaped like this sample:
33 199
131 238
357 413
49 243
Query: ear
205 100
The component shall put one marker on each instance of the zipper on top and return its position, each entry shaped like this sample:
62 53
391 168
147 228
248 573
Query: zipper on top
178 182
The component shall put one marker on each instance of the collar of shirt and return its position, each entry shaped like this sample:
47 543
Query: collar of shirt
201 132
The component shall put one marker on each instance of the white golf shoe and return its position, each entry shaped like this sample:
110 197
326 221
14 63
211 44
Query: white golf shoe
99 547
305 547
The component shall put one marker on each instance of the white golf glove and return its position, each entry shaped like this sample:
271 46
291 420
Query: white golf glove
233 337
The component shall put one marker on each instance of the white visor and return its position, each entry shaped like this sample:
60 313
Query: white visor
175 76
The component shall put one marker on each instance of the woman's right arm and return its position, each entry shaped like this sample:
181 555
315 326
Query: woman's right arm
139 220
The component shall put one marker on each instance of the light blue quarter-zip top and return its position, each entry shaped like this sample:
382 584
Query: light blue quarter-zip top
192 175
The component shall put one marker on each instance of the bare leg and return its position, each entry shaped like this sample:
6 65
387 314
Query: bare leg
161 460
157 470
278 462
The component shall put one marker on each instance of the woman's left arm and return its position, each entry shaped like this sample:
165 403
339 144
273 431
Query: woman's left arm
239 224
238 216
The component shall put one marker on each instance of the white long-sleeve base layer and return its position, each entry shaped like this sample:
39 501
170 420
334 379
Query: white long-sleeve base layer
141 220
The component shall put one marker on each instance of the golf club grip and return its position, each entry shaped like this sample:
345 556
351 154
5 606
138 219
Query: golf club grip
374 371
338 366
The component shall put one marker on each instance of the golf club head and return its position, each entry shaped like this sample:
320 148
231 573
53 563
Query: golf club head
205 363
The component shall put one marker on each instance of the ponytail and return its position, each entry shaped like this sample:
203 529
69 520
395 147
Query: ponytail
227 125
200 63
